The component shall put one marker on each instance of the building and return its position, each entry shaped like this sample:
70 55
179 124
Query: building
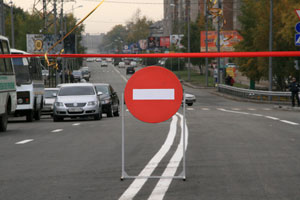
176 14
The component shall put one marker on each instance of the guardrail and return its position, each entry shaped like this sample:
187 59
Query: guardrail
258 95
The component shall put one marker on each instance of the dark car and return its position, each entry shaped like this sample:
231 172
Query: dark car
130 70
109 99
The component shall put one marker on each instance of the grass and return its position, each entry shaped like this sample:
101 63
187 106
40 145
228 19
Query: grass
195 78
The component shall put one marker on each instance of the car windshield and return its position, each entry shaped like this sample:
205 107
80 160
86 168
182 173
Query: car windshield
76 72
102 88
49 93
76 91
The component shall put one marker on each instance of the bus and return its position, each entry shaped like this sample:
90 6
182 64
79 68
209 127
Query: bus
8 95
30 86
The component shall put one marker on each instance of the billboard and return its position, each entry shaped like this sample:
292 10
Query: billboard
40 43
153 42
165 41
227 40
143 44
176 41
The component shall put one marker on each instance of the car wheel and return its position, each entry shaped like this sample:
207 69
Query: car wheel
37 114
98 116
29 116
57 119
3 122
189 104
110 111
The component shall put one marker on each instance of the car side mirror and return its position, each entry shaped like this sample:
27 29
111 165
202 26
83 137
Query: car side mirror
54 94
99 93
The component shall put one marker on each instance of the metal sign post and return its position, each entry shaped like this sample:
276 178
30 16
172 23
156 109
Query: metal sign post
124 174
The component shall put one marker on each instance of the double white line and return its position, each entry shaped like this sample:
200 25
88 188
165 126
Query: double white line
163 184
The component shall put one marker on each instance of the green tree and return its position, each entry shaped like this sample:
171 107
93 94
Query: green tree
255 31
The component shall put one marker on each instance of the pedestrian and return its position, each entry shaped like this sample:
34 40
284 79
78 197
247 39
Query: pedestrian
294 88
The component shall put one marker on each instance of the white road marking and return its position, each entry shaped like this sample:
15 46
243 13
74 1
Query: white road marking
123 77
257 115
25 141
289 122
236 109
162 186
76 124
137 184
205 109
190 109
267 109
252 109
57 130
153 94
270 117
231 111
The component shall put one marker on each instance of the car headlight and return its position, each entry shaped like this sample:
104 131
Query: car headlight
105 101
92 103
59 104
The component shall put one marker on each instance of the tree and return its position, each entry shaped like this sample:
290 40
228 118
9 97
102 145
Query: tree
255 31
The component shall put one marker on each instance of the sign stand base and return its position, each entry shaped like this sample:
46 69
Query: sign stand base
124 174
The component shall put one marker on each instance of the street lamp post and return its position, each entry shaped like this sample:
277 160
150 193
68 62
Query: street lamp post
189 39
219 46
12 25
270 47
206 44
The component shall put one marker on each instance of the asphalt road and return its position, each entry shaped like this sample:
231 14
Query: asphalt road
235 150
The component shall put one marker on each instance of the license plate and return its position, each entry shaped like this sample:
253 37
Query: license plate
75 110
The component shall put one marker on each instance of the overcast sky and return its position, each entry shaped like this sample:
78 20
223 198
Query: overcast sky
109 14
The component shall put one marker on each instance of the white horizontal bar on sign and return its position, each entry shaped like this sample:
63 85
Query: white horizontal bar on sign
153 94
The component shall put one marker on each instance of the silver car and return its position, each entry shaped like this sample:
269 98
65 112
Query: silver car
49 98
77 100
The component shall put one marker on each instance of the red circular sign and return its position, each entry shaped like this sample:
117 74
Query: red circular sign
153 94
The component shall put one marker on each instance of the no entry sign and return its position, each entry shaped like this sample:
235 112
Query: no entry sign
153 94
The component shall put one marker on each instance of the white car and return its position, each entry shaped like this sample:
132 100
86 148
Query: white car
133 64
90 60
121 64
98 59
104 63
190 99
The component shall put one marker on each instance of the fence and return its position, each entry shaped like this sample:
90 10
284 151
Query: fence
258 95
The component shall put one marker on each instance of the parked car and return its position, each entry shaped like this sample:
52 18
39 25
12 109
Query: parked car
104 64
121 65
49 98
109 99
190 99
77 100
86 75
98 59
116 61
77 74
133 64
127 61
130 70
90 59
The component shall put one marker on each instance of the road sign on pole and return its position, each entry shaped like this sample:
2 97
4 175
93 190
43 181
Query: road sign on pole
297 27
298 13
153 94
297 39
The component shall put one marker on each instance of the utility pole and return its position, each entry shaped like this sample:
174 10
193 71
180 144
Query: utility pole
12 25
62 33
206 43
189 38
2 18
271 48
219 47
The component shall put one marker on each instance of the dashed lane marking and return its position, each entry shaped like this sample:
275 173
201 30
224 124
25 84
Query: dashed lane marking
252 109
190 109
236 109
269 117
205 109
24 141
57 130
289 122
257 115
76 124
267 109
